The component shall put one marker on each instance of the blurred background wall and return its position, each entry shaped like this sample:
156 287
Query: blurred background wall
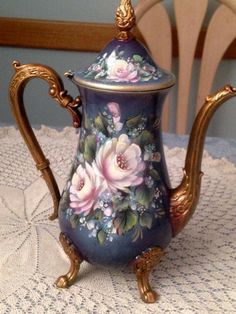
41 109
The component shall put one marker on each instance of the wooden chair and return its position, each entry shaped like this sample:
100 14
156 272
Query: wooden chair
155 26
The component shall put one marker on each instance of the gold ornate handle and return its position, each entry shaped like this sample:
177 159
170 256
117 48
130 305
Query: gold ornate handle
23 74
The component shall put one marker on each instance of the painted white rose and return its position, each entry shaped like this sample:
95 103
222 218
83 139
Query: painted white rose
119 164
85 187
120 70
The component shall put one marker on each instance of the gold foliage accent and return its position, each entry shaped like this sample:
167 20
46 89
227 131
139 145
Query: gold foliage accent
125 19
184 200
75 259
221 94
143 265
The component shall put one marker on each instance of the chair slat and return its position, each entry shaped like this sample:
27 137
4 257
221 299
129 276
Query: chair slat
143 6
221 32
230 4
189 18
155 27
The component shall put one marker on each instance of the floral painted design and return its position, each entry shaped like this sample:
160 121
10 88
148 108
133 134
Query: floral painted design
85 187
116 68
119 164
114 109
114 189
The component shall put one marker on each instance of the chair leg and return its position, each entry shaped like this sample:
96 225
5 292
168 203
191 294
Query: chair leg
143 265
75 259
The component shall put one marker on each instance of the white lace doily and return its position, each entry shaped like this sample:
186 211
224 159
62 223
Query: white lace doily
197 274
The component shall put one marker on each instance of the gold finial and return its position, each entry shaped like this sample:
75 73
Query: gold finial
125 20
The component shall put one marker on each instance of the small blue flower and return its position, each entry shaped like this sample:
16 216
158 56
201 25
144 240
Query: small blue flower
110 239
149 181
149 148
80 158
157 193
91 224
106 224
94 233
133 205
105 198
101 138
69 212
82 220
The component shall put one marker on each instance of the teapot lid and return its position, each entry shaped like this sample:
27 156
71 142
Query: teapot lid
124 64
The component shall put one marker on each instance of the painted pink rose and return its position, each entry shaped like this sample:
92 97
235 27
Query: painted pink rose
85 187
119 164
122 71
114 109
96 68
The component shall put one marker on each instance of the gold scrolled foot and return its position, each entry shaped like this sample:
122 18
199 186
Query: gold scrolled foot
143 265
67 280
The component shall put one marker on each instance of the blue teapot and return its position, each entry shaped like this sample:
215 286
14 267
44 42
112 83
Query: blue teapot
118 207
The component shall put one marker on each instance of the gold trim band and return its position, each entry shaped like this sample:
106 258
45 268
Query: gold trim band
126 88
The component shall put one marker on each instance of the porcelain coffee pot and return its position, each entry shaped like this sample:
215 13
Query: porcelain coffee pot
118 207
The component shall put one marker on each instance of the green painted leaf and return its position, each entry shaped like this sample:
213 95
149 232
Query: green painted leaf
131 220
86 121
90 145
101 124
154 174
90 74
81 145
146 78
98 214
137 58
120 205
101 236
146 74
138 233
117 224
125 221
74 219
144 139
134 122
146 220
144 195
103 64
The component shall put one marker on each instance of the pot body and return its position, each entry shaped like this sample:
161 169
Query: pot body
116 202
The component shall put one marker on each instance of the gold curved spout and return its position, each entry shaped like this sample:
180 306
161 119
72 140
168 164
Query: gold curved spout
185 197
